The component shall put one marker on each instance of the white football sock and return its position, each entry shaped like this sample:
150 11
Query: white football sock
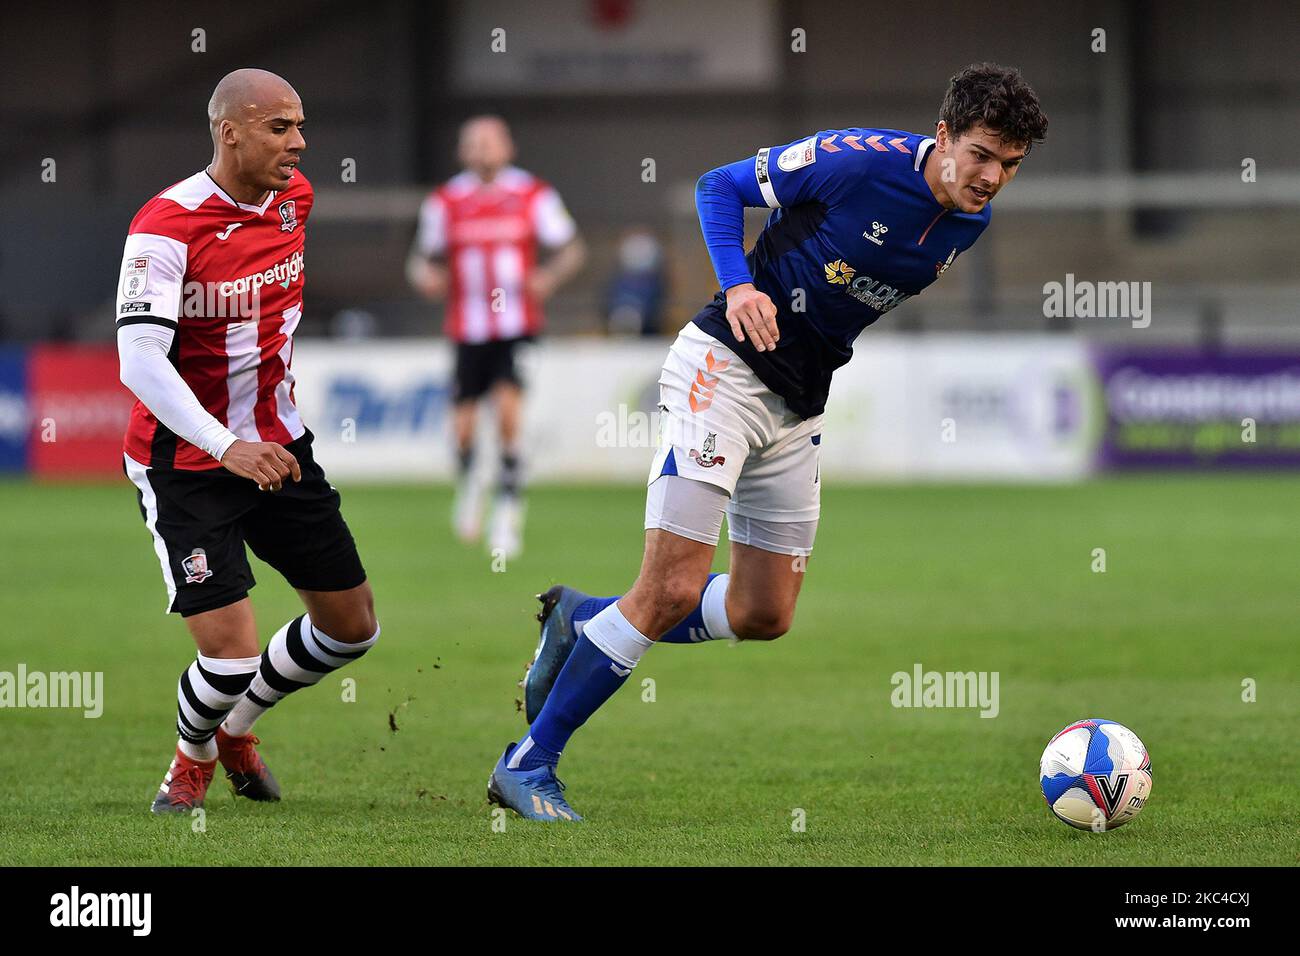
201 752
206 692
280 674
619 640
713 608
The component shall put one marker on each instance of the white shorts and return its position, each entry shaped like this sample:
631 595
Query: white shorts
721 425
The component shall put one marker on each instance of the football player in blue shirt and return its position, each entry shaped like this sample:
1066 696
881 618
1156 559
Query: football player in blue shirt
862 219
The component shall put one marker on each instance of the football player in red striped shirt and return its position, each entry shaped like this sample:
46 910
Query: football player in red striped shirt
211 291
477 247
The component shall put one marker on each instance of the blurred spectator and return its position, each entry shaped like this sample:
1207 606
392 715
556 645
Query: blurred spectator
634 302
353 324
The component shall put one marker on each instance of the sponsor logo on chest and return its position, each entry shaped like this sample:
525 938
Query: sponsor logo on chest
494 228
872 293
876 233
283 273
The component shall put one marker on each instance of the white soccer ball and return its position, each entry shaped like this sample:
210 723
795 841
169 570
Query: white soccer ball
1096 775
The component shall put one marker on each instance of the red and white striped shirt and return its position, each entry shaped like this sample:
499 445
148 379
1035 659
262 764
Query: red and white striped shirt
489 233
227 277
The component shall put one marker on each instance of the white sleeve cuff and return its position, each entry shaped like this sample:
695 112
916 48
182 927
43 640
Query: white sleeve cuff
218 448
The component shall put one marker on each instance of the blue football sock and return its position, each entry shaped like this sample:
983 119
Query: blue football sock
691 629
590 608
588 679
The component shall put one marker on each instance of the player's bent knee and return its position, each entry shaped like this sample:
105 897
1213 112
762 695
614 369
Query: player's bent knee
352 630
362 630
667 589
351 623
673 597
367 623
762 624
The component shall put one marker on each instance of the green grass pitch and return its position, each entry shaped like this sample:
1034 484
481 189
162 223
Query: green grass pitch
1198 595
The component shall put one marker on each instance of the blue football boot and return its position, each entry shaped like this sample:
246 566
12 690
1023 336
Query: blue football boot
554 647
533 794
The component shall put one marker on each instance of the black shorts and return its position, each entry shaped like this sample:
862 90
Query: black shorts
480 365
201 520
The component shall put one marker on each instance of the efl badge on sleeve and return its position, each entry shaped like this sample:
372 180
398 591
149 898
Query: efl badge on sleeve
797 156
288 215
136 277
196 567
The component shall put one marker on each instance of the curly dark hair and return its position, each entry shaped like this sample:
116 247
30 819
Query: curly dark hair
997 97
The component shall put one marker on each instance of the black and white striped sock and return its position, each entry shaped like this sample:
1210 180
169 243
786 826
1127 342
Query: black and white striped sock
205 693
512 474
298 656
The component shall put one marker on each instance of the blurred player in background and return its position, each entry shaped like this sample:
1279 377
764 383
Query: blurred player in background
476 247
862 219
210 293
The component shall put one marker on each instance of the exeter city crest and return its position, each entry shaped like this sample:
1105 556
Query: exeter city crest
196 567
288 215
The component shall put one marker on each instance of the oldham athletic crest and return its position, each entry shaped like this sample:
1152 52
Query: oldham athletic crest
196 567
288 215
706 458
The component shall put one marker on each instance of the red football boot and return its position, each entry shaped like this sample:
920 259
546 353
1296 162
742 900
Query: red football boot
245 769
185 785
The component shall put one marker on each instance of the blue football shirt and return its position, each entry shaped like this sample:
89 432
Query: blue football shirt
855 230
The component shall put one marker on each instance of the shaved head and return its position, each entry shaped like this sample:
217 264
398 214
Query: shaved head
256 122
241 94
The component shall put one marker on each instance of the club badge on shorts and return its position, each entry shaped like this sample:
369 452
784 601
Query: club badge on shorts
706 458
196 567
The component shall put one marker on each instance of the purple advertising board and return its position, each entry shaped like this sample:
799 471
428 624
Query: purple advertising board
1194 409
